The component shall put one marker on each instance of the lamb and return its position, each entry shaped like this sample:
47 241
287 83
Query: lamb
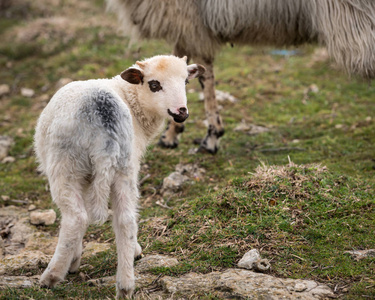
89 140
345 27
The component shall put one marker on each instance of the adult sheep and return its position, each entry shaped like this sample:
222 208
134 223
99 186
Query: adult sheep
198 28
89 141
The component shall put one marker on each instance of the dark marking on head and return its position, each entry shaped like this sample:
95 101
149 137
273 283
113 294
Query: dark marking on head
186 81
154 86
132 75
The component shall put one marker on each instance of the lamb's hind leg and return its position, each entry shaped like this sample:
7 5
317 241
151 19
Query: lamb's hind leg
124 202
215 125
68 197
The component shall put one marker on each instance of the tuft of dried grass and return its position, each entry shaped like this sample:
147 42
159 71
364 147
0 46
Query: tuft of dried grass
289 179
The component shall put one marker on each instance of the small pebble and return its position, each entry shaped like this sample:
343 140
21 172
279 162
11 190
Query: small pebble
27 92
32 207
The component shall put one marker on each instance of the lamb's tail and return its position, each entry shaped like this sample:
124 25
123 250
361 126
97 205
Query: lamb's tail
99 191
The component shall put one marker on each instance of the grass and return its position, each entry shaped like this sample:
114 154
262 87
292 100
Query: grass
301 216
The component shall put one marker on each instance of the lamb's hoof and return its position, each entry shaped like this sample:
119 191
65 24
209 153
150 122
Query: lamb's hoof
124 292
49 280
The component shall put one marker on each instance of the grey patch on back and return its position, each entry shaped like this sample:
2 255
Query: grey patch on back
109 124
101 105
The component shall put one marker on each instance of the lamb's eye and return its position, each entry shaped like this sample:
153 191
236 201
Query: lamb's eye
154 86
186 81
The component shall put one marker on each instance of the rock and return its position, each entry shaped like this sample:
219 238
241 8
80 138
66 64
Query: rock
361 254
250 129
31 207
173 183
5 144
4 89
252 261
249 259
21 230
8 159
238 283
93 248
142 279
46 217
5 197
221 96
62 82
27 92
183 173
43 242
153 261
25 261
18 281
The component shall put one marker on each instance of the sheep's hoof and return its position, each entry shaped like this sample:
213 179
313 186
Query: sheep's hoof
165 143
203 149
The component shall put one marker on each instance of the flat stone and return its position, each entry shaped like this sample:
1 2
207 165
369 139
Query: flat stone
153 261
93 248
18 281
45 217
361 254
25 261
43 242
251 129
245 284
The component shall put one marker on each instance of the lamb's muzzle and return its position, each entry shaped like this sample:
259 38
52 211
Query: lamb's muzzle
181 117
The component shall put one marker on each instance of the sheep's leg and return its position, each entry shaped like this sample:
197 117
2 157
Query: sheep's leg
68 197
124 203
215 125
169 138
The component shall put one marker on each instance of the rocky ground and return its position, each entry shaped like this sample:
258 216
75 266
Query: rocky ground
26 251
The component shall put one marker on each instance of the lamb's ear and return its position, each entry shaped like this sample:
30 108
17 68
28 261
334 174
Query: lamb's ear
132 75
195 70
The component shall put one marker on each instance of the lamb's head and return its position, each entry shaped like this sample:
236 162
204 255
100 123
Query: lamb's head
161 84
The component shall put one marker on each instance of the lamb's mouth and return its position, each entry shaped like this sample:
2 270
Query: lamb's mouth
178 118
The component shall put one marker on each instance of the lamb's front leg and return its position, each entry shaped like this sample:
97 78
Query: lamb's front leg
124 201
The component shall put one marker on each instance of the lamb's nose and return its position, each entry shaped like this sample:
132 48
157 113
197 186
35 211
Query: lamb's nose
182 110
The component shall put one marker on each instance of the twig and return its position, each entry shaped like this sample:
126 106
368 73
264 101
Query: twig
147 176
281 149
298 257
163 205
